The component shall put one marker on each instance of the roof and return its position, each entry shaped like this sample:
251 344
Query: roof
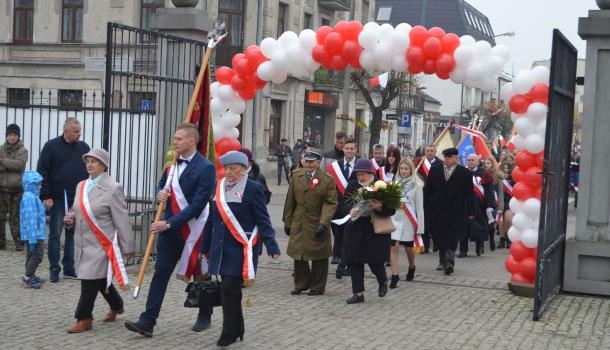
431 99
454 16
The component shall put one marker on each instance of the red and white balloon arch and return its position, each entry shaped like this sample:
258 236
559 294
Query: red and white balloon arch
381 48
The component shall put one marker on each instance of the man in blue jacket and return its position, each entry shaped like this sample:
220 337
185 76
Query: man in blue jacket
62 168
192 183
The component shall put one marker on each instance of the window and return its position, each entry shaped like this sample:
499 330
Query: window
365 11
326 22
308 21
18 97
70 98
384 14
282 17
72 21
23 21
275 124
142 101
148 8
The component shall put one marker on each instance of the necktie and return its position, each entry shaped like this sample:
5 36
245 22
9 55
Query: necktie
347 166
308 177
447 173
180 161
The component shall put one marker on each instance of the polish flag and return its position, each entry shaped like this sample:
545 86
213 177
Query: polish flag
380 80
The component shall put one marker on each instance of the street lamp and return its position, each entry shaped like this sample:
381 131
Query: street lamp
509 34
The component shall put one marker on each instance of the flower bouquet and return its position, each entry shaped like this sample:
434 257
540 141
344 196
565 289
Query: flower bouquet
389 194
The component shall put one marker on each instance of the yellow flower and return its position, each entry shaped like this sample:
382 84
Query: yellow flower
380 185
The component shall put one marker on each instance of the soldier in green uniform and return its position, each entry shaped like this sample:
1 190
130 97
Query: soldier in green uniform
310 205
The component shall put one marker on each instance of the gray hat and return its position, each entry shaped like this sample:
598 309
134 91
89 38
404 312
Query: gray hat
312 154
234 157
99 154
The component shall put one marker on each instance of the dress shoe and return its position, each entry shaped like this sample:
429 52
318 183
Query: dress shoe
502 243
335 260
340 271
54 277
448 269
462 255
314 292
388 264
346 272
70 275
410 274
394 281
383 289
139 327
492 244
111 315
434 249
297 291
81 326
440 267
356 299
201 324
227 339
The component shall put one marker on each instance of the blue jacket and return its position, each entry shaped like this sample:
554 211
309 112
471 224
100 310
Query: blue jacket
62 168
225 253
32 223
198 183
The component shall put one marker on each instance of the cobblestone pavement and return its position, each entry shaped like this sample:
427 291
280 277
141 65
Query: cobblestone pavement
470 310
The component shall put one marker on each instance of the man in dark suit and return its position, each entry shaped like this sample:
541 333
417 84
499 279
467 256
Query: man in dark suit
196 182
450 193
426 162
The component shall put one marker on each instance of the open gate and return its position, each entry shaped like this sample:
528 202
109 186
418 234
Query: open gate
556 174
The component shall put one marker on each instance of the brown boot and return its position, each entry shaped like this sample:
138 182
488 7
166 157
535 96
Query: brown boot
81 326
111 315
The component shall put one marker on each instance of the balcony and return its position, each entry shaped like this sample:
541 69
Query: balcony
335 5
328 80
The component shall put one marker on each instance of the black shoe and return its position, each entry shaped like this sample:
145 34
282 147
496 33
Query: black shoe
314 292
356 299
139 327
54 276
383 289
335 260
297 291
226 339
462 255
440 267
346 272
410 274
492 244
201 325
502 243
70 275
340 272
388 264
479 250
448 269
394 281
434 249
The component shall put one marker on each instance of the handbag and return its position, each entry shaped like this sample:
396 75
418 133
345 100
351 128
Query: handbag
382 225
203 293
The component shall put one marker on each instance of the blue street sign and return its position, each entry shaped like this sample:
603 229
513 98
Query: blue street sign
146 105
405 120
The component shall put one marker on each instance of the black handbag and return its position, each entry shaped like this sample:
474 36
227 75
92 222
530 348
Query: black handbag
203 293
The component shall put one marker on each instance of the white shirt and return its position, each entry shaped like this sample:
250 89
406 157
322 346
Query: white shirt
351 166
180 167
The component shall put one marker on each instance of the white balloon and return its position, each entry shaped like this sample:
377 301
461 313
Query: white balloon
280 60
515 116
519 142
399 63
368 38
541 74
217 106
482 49
229 119
501 51
524 127
385 31
219 131
297 70
400 41
537 112
541 129
523 82
404 27
214 89
513 234
265 71
467 40
489 83
226 93
534 143
529 238
522 222
495 64
506 91
237 106
307 39
295 54
371 25
532 207
269 46
288 39
310 64
470 83
458 75
279 76
463 55
233 133
475 71
383 55
367 60
515 205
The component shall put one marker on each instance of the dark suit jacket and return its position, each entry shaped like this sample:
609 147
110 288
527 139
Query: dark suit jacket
341 205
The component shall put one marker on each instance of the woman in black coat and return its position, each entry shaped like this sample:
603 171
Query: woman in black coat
361 245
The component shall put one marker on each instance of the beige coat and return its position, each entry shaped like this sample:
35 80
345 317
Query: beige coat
108 204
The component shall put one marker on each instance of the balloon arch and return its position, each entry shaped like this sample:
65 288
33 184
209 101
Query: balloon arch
416 50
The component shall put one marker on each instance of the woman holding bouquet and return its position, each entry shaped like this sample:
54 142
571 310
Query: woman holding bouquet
361 245
409 221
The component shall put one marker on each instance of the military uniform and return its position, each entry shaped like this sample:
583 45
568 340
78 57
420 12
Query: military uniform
309 204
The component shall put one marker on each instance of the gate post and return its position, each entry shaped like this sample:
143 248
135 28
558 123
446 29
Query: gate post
107 89
587 263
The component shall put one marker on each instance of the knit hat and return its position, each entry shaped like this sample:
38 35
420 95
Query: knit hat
13 129
99 154
248 153
234 157
363 166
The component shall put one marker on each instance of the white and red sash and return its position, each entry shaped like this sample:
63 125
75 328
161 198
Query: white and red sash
412 215
478 188
111 247
334 170
375 165
382 174
426 166
192 232
237 231
507 187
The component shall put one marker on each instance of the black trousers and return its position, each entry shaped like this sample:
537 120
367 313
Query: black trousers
446 256
338 239
230 295
88 293
357 274
464 245
312 279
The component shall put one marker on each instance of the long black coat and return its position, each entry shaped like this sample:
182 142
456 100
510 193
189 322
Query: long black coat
450 203
360 243
479 231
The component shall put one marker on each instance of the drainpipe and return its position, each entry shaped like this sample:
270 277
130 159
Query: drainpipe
256 101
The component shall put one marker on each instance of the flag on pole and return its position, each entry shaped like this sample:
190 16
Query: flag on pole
379 80
465 148
443 141
511 144
478 138
502 141
201 118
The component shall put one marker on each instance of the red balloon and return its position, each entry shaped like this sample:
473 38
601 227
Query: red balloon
522 191
518 174
415 56
355 63
450 43
538 192
432 47
247 94
236 58
351 50
534 176
525 160
418 35
341 27
519 251
519 103
445 63
257 82
243 68
428 66
224 74
534 253
333 43
511 264
337 62
442 75
539 93
321 34
239 83
436 32
255 56
415 68
540 160
319 54
353 30
527 268
517 277
226 144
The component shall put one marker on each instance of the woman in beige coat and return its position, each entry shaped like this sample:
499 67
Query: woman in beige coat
102 233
